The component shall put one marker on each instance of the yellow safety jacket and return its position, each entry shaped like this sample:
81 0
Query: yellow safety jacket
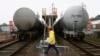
51 37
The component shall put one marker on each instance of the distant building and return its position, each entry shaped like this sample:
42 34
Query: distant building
96 18
96 22
96 25
4 27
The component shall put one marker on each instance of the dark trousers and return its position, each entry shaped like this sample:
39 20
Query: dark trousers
51 46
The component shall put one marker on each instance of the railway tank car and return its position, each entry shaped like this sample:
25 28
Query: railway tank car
73 21
28 23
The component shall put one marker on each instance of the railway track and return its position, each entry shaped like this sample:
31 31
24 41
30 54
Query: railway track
84 48
26 50
70 50
10 49
3 45
87 48
17 48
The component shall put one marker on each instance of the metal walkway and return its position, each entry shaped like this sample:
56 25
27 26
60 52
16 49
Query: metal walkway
63 50
39 49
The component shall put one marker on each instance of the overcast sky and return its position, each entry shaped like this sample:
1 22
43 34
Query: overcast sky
8 7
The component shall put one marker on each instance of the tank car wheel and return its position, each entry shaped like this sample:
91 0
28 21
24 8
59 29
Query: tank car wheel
81 36
22 38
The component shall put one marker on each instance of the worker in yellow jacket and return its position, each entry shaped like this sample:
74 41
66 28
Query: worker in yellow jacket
51 41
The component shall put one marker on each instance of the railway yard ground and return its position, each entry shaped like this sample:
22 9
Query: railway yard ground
36 48
5 38
93 39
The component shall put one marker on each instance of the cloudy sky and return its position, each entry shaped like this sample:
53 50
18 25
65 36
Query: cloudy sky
8 7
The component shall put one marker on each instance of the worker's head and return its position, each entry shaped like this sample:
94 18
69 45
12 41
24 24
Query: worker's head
49 28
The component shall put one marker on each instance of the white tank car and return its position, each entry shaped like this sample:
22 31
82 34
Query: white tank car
25 18
28 23
73 21
75 17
